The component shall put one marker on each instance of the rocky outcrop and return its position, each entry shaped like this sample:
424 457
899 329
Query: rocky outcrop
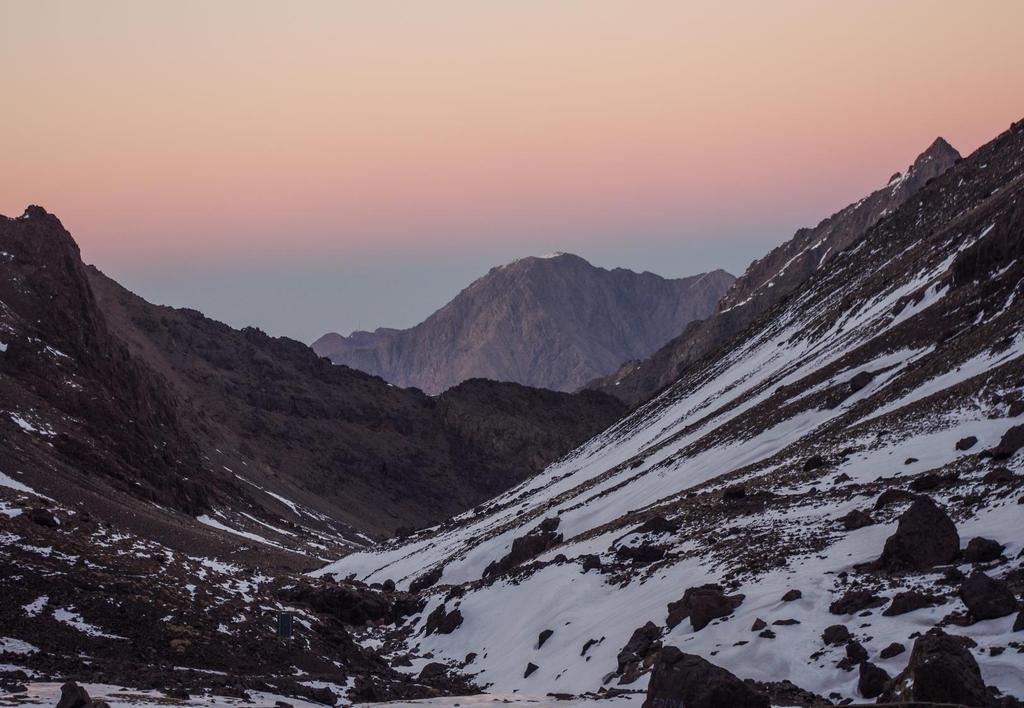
771 279
554 322
987 597
942 670
924 538
527 547
681 679
702 604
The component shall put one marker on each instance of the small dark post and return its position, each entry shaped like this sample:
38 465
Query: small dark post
284 625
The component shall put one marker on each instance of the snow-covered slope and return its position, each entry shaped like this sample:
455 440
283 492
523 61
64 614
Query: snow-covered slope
872 377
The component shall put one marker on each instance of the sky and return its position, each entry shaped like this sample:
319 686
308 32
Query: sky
337 165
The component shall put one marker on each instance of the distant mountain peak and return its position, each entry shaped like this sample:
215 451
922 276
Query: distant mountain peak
553 321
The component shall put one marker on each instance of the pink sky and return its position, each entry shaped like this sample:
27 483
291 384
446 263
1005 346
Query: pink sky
169 134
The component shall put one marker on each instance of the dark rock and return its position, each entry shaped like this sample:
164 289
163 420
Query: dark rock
686 680
43 517
428 579
736 491
987 597
930 481
814 462
999 475
942 670
894 649
966 443
893 496
1018 624
982 550
591 562
442 621
792 595
702 604
872 680
909 601
527 547
74 696
530 668
544 636
637 652
856 651
924 538
657 524
758 625
643 554
388 585
861 380
836 634
1012 440
785 622
856 519
433 671
767 634
855 601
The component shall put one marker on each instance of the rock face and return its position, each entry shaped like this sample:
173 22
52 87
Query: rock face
987 597
771 279
942 670
924 538
702 604
527 547
685 680
553 323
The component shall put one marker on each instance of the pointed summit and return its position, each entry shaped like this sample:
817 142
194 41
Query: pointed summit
939 152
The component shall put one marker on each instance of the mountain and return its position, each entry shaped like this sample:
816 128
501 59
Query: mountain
828 509
109 400
554 322
773 278
165 479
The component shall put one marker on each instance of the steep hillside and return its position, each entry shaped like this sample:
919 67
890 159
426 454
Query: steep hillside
554 322
773 278
830 507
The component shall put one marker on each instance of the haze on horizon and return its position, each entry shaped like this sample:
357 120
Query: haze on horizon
352 165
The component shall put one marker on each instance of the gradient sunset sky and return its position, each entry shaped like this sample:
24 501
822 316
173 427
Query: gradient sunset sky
316 166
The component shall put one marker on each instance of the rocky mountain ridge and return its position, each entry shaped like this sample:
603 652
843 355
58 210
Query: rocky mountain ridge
771 279
824 512
554 322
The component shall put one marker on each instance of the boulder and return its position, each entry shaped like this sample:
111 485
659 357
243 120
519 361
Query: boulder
982 550
792 595
433 671
442 622
530 668
814 462
428 579
909 601
681 679
43 517
1012 440
527 547
893 496
638 653
657 524
925 537
74 696
872 680
643 554
894 649
856 519
590 561
855 601
544 636
836 634
966 443
702 604
987 597
941 670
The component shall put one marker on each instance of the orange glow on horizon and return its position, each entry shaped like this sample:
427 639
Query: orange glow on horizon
191 130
